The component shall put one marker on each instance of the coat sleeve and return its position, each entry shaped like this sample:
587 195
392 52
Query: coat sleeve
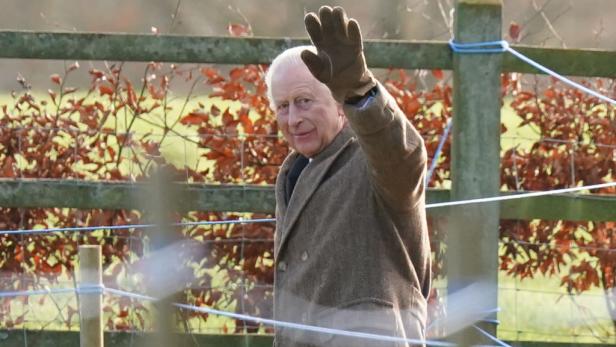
394 150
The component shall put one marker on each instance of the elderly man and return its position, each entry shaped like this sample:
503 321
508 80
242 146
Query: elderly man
351 245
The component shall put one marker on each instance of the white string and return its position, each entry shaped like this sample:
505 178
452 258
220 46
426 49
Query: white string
81 289
271 220
283 324
47 291
557 75
486 334
520 196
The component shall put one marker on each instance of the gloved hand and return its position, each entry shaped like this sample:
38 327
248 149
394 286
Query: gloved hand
339 62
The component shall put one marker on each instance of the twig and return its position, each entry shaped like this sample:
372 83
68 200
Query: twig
113 101
135 113
175 15
446 19
166 128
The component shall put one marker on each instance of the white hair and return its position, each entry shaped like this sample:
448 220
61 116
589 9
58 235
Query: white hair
289 57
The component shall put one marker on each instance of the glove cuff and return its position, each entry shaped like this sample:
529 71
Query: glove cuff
365 84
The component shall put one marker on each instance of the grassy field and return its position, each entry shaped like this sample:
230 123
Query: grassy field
540 310
536 309
530 310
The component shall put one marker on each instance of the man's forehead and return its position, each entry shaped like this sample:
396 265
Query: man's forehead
292 72
289 78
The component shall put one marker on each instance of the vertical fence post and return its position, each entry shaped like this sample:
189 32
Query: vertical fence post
472 238
160 203
90 296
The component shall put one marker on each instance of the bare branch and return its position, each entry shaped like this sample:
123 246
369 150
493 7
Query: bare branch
54 24
174 16
598 32
549 23
447 18
237 11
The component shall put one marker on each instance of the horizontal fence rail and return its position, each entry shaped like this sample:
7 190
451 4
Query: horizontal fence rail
35 193
234 50
43 193
46 193
120 339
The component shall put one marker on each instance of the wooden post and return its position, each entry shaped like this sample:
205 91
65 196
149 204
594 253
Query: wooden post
90 296
159 204
472 239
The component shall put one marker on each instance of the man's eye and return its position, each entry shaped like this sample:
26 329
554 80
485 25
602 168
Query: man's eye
303 103
282 107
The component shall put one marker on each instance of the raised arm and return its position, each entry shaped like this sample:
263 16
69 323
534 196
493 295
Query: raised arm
394 150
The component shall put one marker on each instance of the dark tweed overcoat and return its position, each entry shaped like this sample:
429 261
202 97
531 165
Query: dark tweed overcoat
351 245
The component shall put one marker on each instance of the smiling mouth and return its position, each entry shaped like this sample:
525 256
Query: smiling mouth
302 134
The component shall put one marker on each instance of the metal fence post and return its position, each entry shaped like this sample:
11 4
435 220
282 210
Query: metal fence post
472 238
90 296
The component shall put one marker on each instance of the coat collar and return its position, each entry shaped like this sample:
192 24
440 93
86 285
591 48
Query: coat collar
308 182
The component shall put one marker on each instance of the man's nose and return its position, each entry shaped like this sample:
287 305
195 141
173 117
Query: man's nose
295 117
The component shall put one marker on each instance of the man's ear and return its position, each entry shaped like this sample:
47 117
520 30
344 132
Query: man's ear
341 114
340 110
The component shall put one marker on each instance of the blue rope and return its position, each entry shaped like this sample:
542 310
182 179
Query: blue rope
503 46
479 47
462 48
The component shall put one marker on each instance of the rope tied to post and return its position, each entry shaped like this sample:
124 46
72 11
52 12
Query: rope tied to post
90 289
479 47
502 46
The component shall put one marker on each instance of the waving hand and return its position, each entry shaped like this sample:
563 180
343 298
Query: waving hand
339 62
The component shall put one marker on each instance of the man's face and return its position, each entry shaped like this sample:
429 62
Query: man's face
307 114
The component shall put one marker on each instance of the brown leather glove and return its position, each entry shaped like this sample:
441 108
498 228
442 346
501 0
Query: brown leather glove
339 62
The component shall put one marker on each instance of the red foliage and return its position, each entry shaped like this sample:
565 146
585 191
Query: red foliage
576 146
91 136
514 31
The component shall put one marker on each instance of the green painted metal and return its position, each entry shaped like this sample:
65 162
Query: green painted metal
41 193
232 50
472 231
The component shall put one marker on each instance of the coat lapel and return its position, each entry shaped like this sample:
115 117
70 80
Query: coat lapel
281 180
308 182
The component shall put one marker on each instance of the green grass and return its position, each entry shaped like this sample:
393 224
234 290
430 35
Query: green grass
540 310
535 309
522 137
531 310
